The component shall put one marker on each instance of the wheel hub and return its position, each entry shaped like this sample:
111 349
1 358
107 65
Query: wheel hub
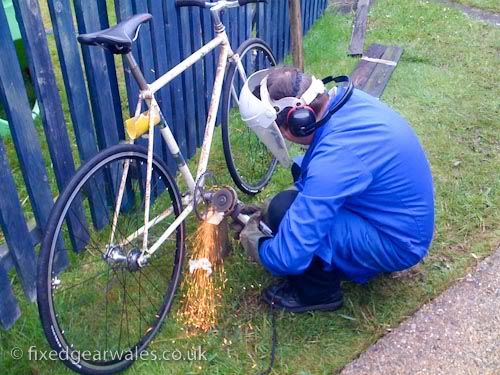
116 258
133 260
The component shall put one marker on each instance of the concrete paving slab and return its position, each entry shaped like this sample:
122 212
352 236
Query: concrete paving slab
457 333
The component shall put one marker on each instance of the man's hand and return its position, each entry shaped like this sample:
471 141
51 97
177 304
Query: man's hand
251 235
248 209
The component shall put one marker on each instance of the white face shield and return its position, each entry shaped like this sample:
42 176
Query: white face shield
260 114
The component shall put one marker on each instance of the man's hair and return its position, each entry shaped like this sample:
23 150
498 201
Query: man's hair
287 81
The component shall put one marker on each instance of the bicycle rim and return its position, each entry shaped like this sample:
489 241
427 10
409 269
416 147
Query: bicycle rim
250 163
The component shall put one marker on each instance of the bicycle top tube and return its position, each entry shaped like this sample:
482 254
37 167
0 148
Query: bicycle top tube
216 7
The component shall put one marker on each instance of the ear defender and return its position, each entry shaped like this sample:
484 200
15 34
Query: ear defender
300 120
301 117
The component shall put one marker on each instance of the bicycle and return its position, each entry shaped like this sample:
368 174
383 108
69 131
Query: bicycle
109 296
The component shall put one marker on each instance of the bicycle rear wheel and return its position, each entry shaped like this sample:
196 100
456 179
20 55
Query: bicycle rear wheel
249 162
103 309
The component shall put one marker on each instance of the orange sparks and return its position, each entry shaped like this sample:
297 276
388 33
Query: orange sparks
203 286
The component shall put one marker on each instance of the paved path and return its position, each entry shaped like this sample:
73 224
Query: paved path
457 333
483 15
348 6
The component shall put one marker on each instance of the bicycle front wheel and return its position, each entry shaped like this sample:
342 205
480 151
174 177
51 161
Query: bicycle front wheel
250 163
100 308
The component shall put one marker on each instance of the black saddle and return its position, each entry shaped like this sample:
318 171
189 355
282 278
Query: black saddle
117 39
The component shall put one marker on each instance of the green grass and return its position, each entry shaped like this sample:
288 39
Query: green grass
488 5
452 99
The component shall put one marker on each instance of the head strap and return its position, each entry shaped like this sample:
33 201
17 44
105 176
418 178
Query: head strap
315 88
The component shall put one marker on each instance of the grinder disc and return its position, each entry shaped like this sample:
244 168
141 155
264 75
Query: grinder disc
224 200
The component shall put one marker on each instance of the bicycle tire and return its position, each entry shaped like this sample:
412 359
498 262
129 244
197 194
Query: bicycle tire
57 334
236 163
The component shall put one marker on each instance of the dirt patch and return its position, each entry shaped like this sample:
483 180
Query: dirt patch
479 14
344 6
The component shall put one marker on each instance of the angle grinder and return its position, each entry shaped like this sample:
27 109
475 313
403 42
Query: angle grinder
224 202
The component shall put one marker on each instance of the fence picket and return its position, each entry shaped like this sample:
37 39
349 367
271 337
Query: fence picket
209 64
9 309
147 64
287 28
15 229
183 16
111 68
240 30
172 39
198 80
274 30
124 10
161 67
280 51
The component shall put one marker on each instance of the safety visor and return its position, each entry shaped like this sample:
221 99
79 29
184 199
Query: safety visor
260 114
260 117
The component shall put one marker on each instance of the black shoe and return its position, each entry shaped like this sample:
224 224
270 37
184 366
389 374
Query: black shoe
283 296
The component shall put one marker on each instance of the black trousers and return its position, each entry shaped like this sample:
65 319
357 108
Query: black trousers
315 284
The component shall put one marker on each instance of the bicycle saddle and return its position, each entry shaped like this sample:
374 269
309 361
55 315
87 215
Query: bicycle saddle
117 39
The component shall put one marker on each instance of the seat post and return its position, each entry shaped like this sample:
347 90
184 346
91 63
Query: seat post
218 26
136 72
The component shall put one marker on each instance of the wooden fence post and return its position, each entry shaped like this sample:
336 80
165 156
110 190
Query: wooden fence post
296 33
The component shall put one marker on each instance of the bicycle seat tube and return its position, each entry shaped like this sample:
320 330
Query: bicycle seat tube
136 71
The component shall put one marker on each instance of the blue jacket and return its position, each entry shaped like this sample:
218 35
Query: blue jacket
366 159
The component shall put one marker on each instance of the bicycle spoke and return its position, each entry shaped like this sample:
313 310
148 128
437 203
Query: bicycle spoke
121 322
140 312
80 283
146 294
152 284
106 312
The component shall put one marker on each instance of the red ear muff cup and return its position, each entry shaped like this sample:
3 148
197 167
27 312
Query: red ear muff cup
301 121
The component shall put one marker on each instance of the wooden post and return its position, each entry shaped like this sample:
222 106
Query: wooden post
296 33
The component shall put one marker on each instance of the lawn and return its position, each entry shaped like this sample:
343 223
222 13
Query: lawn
447 86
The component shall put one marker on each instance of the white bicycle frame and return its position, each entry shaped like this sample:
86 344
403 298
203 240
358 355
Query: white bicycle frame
146 95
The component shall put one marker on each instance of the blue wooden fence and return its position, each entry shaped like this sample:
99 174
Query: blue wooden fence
95 106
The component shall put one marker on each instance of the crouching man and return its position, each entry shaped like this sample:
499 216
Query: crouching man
362 202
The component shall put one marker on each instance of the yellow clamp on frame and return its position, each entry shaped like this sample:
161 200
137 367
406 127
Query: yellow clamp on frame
137 126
